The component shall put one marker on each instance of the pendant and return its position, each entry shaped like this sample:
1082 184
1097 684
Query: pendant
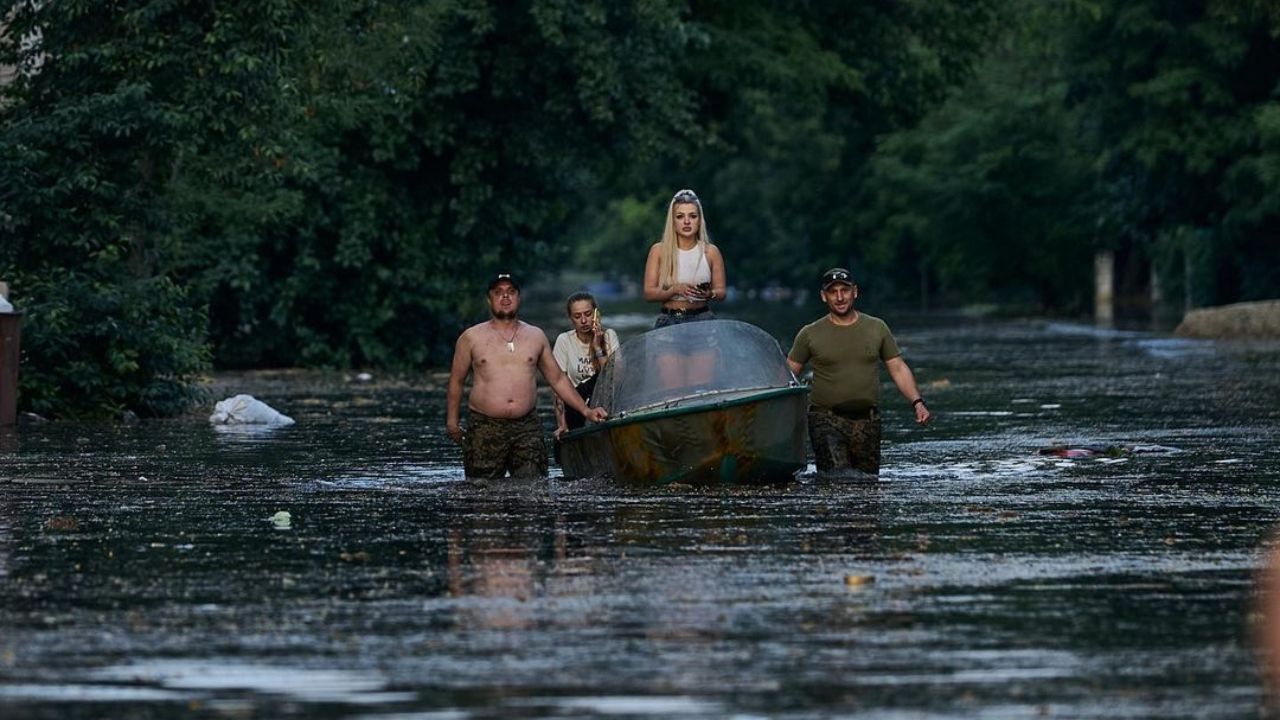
511 346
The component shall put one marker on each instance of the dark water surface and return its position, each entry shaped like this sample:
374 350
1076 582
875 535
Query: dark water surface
141 575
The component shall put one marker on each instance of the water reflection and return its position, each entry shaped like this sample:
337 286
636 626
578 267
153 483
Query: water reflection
299 683
250 434
1266 626
9 440
502 558
6 536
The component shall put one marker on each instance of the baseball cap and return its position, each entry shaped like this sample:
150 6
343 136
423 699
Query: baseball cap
837 275
504 277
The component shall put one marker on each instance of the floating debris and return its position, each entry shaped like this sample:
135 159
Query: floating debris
62 523
1112 451
247 410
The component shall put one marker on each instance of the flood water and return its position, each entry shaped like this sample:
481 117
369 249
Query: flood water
141 574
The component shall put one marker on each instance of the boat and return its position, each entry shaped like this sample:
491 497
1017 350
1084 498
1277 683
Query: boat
699 402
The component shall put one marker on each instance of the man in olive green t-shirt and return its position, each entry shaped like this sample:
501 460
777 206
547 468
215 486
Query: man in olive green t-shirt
844 347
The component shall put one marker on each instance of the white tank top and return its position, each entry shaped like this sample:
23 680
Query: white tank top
691 266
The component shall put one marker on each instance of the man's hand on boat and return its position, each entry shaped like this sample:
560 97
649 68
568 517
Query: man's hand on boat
597 414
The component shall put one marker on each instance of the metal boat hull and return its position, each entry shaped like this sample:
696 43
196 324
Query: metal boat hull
741 438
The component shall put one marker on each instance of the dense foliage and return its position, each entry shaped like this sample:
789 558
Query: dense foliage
1180 98
327 183
118 111
438 141
330 181
1146 128
790 103
990 198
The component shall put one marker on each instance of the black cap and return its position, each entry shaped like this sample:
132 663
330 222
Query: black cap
504 277
837 275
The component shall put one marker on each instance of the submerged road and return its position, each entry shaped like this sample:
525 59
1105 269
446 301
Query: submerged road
142 574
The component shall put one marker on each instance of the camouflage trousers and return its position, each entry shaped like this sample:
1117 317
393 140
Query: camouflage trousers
841 443
496 447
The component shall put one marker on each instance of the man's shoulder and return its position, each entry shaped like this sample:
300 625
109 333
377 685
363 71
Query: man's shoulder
874 323
814 326
804 336
524 326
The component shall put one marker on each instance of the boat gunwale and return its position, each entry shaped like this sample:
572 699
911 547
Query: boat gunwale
656 412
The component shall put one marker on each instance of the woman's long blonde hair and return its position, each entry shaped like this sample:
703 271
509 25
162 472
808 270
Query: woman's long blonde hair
667 253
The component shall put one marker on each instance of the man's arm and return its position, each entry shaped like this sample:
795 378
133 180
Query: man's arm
458 372
906 382
562 425
560 384
800 349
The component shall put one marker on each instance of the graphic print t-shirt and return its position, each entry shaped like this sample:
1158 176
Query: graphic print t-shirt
574 357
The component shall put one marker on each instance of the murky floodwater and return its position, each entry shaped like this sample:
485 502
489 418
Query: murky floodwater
141 575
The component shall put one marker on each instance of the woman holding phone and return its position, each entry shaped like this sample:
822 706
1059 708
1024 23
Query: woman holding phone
684 272
580 353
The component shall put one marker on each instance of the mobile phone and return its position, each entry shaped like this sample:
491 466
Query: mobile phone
595 315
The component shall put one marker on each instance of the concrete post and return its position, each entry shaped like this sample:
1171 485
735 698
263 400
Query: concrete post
1104 273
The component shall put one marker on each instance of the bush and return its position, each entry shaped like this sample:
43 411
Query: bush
92 349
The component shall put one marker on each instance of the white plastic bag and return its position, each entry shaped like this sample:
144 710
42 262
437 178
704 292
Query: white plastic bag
247 410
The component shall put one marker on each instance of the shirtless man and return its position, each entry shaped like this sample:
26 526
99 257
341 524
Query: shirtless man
504 436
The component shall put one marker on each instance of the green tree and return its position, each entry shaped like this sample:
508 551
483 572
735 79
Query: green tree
331 181
438 142
1177 97
115 106
789 103
990 197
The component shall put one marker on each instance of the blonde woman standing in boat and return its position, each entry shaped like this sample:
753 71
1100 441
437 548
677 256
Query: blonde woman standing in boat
684 272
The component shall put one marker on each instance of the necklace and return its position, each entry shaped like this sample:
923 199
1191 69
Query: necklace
511 341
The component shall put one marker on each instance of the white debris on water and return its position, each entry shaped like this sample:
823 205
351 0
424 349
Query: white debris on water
247 410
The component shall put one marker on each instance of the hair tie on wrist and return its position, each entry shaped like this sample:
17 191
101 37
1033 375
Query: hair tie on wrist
919 401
